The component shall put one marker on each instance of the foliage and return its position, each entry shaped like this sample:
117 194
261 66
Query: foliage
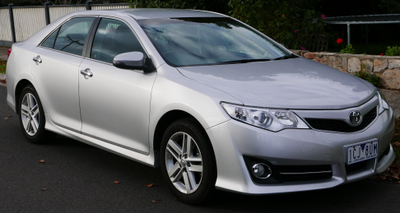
390 6
179 4
373 79
393 51
348 49
290 22
3 66
218 6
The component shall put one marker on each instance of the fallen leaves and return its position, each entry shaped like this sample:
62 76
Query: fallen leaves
44 189
149 185
116 182
6 118
41 161
391 174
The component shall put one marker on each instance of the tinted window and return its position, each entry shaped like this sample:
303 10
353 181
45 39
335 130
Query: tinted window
112 38
50 40
201 41
72 35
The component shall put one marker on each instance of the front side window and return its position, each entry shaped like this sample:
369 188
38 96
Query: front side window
204 41
71 36
113 37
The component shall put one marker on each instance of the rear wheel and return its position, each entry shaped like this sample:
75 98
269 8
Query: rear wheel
31 115
187 162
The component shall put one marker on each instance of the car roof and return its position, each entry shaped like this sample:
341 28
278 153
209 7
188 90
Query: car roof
149 13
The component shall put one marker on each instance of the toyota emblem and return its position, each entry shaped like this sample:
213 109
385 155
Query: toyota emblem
355 117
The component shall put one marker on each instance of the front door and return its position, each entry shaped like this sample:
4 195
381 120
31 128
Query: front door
115 103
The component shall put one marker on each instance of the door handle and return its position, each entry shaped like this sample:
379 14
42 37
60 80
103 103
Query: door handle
37 60
86 73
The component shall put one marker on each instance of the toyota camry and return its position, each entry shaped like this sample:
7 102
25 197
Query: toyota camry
211 101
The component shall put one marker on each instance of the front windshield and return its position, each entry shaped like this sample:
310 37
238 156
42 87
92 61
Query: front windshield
206 41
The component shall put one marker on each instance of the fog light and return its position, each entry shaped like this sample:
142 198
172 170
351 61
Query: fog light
261 170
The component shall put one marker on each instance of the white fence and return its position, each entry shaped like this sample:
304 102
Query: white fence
5 25
29 20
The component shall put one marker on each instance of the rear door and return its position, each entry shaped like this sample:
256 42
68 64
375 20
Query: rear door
56 70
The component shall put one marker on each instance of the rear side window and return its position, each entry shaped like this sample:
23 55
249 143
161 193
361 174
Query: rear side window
71 36
113 37
49 42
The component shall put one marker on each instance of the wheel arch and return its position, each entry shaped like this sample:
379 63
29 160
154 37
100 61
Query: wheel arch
167 119
18 89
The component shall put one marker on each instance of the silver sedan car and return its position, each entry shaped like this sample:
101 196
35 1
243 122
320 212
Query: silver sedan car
210 100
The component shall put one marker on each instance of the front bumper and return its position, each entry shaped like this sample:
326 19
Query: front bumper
233 141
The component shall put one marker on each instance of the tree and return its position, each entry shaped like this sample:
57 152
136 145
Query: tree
212 5
290 22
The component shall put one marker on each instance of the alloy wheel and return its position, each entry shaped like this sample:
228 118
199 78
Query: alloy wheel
184 163
30 114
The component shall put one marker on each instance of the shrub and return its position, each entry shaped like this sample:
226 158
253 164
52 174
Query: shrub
348 49
373 79
393 51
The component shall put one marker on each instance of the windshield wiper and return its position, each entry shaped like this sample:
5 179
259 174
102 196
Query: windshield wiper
242 61
286 57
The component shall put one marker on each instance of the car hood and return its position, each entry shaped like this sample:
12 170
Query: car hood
291 84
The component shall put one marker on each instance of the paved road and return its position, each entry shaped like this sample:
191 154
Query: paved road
80 178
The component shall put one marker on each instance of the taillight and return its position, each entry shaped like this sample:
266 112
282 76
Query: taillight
9 53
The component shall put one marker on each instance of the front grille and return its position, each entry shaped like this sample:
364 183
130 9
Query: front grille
304 173
340 125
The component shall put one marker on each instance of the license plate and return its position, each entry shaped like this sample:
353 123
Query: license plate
361 151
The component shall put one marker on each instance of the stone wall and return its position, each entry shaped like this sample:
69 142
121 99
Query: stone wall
386 67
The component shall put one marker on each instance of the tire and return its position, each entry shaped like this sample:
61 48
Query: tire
187 162
31 116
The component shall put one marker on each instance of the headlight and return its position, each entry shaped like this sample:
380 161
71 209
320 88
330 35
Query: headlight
383 105
270 119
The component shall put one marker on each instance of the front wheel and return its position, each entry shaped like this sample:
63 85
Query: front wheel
188 162
31 116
